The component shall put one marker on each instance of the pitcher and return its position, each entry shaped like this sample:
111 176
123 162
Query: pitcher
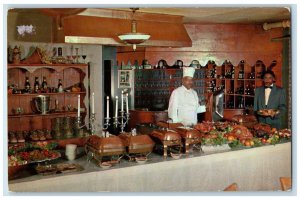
42 104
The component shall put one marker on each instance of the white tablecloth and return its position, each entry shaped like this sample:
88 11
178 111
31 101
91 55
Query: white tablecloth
255 169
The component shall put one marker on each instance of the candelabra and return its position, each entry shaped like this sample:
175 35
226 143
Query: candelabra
105 127
121 120
106 124
90 125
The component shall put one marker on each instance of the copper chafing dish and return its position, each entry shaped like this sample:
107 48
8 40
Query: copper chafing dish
101 147
137 144
145 128
189 136
168 138
168 125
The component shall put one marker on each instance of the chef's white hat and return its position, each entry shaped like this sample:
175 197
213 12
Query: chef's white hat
188 71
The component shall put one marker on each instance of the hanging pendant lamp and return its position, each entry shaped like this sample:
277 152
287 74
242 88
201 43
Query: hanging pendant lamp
134 37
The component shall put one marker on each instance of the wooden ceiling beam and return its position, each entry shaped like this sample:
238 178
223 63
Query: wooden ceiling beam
127 15
99 30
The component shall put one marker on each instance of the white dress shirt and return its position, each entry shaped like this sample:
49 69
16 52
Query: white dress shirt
184 106
267 94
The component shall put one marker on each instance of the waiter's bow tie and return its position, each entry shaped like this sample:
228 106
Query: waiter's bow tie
268 87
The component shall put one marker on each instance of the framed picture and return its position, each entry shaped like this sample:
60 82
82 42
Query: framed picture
124 78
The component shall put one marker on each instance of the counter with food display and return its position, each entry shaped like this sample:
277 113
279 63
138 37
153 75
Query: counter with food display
253 169
163 157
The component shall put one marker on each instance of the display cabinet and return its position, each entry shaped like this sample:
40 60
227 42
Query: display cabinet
153 87
23 115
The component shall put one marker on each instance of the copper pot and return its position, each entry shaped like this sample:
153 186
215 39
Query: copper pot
160 116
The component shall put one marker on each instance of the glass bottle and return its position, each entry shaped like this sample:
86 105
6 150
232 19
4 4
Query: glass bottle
232 73
44 83
60 86
241 104
27 85
36 85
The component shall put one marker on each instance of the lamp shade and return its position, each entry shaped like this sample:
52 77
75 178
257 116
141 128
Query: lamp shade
134 38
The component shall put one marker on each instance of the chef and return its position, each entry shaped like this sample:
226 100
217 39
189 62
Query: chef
272 97
184 101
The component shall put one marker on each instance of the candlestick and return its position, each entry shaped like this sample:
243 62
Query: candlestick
93 103
107 107
122 101
56 104
116 107
78 106
122 120
127 103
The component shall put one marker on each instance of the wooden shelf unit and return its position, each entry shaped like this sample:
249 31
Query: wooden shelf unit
70 74
154 86
45 115
51 93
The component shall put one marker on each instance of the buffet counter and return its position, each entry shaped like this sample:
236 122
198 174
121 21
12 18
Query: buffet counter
253 169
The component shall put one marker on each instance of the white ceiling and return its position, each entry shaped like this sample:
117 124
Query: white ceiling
243 15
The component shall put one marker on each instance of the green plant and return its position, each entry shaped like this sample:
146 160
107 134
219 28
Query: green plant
219 140
235 144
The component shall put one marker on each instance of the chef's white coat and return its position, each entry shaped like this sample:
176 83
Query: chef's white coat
184 106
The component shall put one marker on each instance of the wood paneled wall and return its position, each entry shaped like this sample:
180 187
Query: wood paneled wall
218 42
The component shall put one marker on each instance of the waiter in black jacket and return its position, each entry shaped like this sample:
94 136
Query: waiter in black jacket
270 96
